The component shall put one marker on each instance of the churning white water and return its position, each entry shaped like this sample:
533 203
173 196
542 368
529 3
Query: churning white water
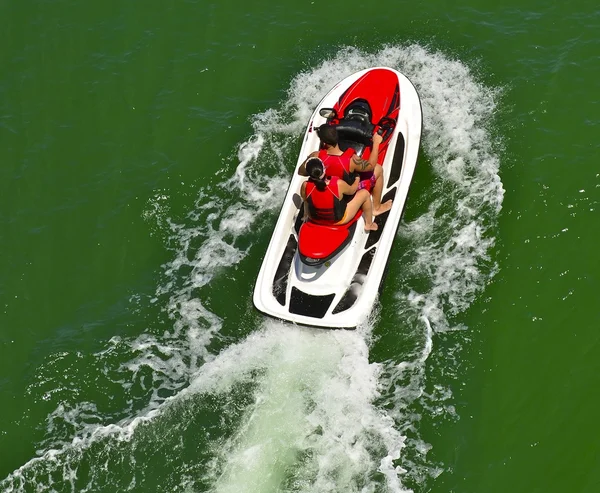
287 409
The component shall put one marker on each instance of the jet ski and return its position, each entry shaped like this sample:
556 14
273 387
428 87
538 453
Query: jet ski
330 276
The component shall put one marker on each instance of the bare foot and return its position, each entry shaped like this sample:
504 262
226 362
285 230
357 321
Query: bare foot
371 227
382 208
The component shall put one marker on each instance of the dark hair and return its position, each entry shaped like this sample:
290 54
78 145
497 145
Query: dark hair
315 169
328 134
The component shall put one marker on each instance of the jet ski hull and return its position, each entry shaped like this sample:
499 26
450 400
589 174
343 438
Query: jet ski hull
339 291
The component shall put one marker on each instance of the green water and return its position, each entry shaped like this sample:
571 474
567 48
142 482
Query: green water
145 149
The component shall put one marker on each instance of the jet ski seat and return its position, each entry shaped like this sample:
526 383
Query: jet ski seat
356 131
356 125
318 243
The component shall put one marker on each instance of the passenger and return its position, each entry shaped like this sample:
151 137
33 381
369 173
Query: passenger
345 165
325 201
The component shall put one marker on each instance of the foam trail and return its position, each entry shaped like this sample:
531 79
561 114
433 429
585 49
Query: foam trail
447 261
453 239
285 409
312 425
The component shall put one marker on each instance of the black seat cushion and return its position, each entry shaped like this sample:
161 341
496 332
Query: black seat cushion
354 130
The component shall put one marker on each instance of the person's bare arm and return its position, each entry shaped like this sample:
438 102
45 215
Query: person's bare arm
302 168
346 189
303 195
361 165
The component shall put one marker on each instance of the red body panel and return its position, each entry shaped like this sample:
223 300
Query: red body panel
320 241
381 89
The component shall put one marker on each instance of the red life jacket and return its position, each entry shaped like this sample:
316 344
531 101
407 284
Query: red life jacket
323 205
338 165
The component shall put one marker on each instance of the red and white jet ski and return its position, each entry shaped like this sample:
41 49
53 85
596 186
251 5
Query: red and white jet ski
329 276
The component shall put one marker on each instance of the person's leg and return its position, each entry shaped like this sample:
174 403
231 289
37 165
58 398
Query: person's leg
361 200
378 207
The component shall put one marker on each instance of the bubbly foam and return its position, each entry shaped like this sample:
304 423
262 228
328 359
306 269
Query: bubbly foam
288 409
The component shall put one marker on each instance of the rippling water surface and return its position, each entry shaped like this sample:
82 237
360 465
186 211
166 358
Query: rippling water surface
145 156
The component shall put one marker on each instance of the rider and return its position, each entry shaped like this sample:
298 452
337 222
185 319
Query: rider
346 164
325 201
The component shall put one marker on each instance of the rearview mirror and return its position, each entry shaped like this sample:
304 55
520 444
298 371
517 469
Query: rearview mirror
328 113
